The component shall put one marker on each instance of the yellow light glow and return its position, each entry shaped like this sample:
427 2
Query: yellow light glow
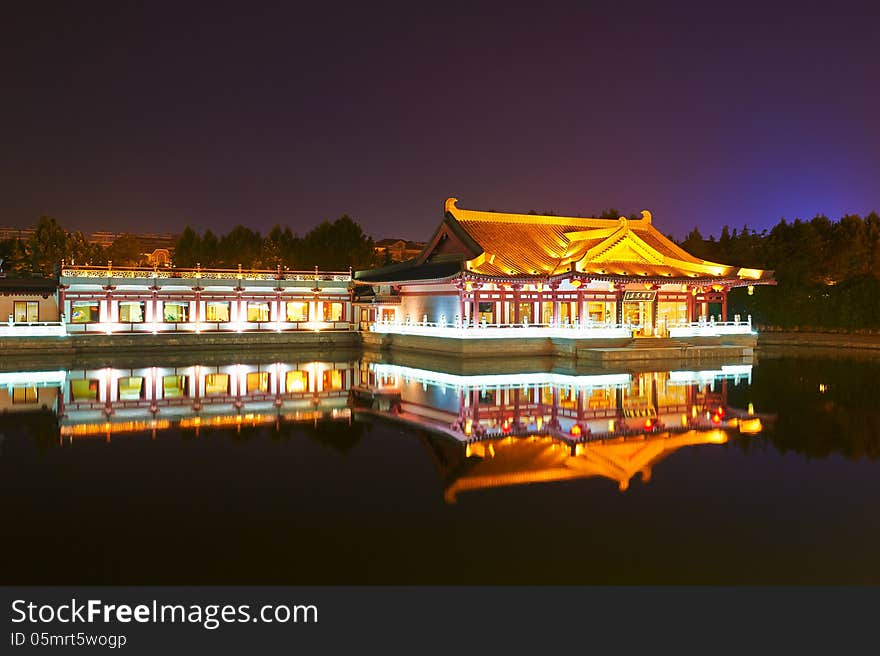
751 290
750 426
576 283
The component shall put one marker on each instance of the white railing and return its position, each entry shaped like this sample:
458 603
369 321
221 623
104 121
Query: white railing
465 330
33 329
712 328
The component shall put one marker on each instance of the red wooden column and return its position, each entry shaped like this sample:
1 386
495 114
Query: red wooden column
619 288
516 289
459 285
554 295
724 304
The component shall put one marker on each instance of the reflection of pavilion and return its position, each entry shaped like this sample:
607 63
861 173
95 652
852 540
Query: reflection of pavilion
566 407
108 400
542 427
520 461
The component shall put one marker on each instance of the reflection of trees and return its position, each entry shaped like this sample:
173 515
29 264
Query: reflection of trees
40 426
842 417
338 435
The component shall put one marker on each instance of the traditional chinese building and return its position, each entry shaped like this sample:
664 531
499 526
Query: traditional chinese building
112 300
514 269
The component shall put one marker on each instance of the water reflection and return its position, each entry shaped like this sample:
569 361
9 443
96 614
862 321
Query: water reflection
484 431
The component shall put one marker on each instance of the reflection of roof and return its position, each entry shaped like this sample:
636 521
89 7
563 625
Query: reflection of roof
518 461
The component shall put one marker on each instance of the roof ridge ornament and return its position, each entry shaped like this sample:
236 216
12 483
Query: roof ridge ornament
646 216
450 204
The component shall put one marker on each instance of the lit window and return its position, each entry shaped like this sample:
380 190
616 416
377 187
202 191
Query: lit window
131 388
217 311
24 394
84 389
297 311
175 312
174 387
258 381
84 312
26 311
131 311
297 381
257 312
333 379
332 311
216 384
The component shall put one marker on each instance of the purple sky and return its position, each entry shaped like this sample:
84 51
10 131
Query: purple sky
148 116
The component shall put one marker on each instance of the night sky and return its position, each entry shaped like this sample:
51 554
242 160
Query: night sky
148 116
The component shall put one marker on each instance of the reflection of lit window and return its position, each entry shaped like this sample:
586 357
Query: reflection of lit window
333 379
130 388
84 389
131 311
297 311
24 394
84 312
176 312
258 381
26 311
297 381
332 311
567 398
600 398
174 387
257 312
216 384
217 311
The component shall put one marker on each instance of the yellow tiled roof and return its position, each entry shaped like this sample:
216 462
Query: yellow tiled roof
526 244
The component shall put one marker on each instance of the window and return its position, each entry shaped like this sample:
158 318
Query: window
176 312
487 312
297 381
332 311
217 311
84 389
26 311
297 311
85 312
257 312
389 314
216 384
24 394
174 387
258 381
131 388
131 311
333 379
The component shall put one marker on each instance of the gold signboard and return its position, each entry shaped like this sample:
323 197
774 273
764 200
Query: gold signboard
639 296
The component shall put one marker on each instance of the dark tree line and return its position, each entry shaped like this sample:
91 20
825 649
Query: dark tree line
332 245
335 246
828 272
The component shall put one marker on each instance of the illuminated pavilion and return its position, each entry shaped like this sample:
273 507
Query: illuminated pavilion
502 269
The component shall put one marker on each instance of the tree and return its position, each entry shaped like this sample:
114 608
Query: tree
241 245
187 248
339 245
126 251
47 247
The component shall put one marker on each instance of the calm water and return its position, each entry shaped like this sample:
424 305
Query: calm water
349 471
